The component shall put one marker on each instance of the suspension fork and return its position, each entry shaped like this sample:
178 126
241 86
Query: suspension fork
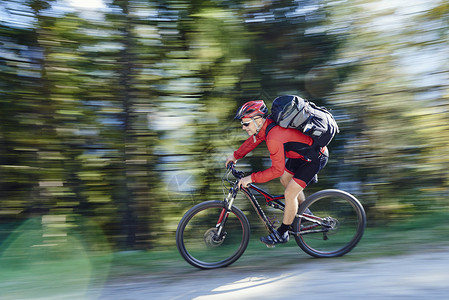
226 211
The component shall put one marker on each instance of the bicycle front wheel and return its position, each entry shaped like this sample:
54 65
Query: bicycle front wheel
334 227
202 245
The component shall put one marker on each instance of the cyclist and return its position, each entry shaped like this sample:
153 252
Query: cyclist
295 173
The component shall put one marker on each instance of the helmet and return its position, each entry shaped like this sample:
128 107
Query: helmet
252 109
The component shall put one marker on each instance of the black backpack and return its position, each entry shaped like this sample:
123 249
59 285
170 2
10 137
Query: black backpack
292 111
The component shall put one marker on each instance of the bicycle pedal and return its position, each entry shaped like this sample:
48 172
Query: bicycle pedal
270 246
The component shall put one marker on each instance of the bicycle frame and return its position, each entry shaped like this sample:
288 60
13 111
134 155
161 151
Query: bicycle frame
275 202
271 200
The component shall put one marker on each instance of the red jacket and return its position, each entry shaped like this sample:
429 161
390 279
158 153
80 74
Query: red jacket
282 143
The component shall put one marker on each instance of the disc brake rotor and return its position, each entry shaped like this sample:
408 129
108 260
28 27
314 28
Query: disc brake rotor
211 238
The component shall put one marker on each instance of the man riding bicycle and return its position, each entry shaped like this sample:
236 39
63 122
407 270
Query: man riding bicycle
295 173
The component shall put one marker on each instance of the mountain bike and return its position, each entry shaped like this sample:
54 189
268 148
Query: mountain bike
214 234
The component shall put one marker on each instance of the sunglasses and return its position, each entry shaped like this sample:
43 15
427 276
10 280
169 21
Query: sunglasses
246 124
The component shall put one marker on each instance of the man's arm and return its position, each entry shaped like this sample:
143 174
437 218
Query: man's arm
277 168
247 146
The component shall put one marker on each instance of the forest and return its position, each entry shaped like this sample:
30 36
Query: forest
115 120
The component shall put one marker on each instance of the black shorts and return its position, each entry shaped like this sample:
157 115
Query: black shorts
304 171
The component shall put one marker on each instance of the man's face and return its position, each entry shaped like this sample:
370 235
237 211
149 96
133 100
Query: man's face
249 125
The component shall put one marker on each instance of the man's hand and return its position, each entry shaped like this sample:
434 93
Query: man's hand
245 181
229 159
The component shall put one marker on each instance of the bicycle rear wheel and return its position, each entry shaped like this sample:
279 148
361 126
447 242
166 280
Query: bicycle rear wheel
199 241
339 224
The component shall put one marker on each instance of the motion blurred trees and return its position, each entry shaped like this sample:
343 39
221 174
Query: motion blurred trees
396 93
126 117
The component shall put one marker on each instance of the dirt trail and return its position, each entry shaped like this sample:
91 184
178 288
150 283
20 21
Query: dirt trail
411 276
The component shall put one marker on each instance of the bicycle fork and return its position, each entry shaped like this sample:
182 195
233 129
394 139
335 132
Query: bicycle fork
225 214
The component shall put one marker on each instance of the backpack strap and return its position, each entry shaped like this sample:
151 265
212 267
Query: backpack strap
269 127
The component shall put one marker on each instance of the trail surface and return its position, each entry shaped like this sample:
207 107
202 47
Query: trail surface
411 276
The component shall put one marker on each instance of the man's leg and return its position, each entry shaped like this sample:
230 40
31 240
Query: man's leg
285 180
293 193
301 198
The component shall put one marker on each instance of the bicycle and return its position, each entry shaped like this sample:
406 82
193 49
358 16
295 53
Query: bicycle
214 234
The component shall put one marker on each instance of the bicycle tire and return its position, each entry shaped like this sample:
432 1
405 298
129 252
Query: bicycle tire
347 216
195 236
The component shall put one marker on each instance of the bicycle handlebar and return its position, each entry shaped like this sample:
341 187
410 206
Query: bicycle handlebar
237 174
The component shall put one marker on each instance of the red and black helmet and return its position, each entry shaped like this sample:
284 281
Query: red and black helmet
252 109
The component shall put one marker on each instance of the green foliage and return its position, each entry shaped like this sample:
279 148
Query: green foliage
401 118
44 251
125 118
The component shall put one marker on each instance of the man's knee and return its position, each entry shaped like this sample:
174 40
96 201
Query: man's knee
301 197
293 191
285 179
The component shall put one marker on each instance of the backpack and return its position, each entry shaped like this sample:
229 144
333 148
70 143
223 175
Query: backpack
292 111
